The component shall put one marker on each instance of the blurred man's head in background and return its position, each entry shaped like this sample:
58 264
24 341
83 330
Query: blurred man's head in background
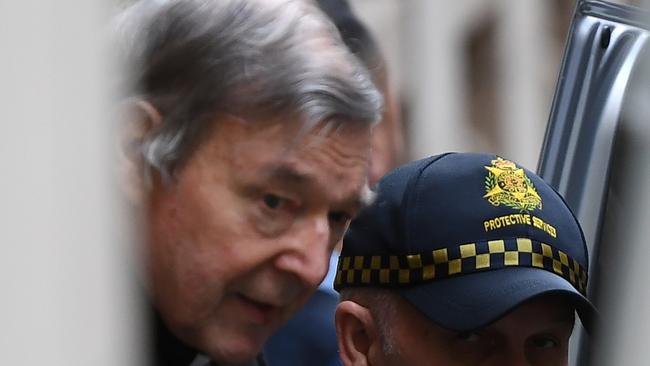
388 136
246 148
462 259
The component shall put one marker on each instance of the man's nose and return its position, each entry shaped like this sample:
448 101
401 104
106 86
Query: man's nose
308 250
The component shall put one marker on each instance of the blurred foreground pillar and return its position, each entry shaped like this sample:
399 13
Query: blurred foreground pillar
63 272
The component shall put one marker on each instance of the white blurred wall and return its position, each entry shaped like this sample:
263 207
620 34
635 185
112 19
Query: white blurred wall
63 273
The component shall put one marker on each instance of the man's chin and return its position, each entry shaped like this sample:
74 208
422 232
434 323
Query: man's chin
234 350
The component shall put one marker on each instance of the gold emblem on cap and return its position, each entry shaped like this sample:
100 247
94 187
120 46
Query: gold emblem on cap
506 184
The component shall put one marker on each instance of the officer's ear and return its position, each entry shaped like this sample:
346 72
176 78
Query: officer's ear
139 120
357 332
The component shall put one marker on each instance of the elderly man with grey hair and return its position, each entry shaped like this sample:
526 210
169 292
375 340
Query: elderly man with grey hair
246 151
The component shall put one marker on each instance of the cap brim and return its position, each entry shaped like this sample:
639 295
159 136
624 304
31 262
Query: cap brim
475 300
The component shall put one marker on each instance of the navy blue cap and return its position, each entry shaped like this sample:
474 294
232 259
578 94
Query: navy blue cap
466 238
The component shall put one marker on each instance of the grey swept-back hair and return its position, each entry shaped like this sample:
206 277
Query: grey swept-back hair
194 59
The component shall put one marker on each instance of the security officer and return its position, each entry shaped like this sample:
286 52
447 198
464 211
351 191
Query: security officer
463 259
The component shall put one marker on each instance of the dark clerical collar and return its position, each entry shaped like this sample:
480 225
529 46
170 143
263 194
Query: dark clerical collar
167 349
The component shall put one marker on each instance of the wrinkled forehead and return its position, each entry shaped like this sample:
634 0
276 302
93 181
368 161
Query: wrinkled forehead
292 135
331 156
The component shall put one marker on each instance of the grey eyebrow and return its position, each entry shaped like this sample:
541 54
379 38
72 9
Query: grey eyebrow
297 178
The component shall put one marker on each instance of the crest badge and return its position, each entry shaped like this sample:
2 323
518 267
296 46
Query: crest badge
506 184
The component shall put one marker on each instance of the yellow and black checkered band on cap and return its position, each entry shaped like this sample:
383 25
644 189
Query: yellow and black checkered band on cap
406 270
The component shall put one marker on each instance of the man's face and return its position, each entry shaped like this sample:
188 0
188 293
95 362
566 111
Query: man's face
536 334
243 236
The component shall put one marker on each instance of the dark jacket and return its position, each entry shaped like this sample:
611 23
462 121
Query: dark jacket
167 350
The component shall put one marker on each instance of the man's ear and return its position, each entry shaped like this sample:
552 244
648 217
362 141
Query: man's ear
139 121
356 332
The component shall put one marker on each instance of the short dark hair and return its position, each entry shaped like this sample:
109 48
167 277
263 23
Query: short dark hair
381 302
355 34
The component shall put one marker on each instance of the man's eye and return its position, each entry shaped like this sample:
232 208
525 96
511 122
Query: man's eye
468 336
272 201
545 342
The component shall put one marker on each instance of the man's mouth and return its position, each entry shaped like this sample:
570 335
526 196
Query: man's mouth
257 311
